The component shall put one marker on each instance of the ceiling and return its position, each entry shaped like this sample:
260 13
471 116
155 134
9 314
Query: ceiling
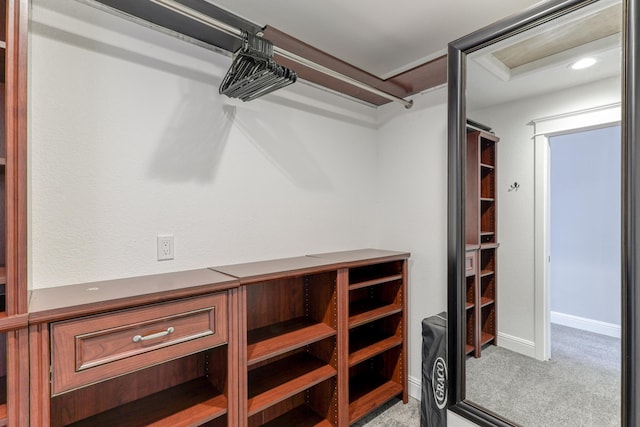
399 47
378 36
538 61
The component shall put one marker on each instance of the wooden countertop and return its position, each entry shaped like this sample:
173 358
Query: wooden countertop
268 270
60 302
64 302
362 256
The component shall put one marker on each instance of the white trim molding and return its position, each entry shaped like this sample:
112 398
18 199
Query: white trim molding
545 127
415 387
590 325
517 344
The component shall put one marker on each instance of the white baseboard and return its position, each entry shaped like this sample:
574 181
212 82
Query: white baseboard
519 345
415 387
596 326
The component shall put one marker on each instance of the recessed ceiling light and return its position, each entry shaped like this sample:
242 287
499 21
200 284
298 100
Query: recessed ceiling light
582 64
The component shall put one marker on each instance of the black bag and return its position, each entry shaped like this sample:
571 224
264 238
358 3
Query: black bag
434 372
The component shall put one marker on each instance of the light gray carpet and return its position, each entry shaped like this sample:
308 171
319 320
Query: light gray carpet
393 414
579 386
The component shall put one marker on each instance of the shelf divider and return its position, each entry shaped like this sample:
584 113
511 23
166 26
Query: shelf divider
374 349
273 383
368 394
365 313
280 338
373 282
191 403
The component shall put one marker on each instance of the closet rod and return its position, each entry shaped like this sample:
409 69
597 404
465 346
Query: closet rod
236 32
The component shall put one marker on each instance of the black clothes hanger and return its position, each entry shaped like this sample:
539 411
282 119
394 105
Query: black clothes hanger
253 72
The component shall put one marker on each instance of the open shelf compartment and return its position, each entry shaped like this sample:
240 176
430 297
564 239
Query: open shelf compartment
315 406
183 392
375 274
487 261
289 313
374 338
273 381
488 290
374 382
487 183
374 302
488 325
487 151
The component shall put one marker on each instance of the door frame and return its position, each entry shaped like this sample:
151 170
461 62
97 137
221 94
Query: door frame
544 128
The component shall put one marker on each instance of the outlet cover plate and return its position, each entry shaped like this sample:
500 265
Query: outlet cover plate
165 247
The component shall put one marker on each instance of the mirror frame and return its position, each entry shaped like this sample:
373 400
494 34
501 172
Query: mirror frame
630 321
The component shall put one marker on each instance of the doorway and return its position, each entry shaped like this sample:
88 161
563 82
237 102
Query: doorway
584 230
546 128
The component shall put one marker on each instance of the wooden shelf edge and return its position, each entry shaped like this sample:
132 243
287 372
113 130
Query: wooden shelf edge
374 282
469 305
281 344
204 406
374 349
300 416
375 314
486 301
11 323
485 273
489 246
486 338
214 407
3 415
290 388
372 400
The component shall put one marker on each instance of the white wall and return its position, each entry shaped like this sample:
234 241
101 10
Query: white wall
412 176
129 138
516 208
282 176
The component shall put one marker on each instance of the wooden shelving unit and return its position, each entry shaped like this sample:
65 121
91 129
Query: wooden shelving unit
291 334
324 337
481 234
14 369
157 350
377 355
183 392
471 303
3 162
310 341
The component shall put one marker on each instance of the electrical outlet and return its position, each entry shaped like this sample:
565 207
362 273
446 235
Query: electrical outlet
165 247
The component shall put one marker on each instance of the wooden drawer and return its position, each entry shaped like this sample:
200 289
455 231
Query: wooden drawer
94 348
470 261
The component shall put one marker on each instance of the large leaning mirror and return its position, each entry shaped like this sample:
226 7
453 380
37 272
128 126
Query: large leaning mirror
542 209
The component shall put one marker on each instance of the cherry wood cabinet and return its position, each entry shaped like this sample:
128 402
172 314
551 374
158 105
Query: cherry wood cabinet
156 350
14 369
377 336
317 340
472 345
481 236
322 337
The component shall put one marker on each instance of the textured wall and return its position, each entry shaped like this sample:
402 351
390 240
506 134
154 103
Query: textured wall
130 139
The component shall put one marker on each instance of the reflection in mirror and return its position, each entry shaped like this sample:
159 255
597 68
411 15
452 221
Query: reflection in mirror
542 226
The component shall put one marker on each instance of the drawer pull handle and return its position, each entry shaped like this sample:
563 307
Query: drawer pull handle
139 338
